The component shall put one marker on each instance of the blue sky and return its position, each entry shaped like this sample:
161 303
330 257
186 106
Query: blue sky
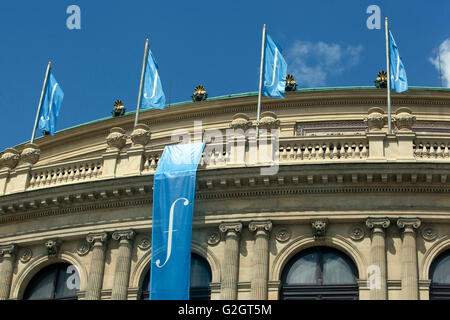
216 44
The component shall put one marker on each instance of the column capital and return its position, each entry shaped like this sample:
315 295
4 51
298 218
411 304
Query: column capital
408 224
378 224
235 227
9 249
97 238
260 225
124 235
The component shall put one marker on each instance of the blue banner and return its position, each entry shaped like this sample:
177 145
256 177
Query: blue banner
399 81
153 94
50 106
275 70
173 207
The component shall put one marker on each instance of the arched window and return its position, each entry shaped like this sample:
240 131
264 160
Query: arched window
440 277
200 278
319 273
59 281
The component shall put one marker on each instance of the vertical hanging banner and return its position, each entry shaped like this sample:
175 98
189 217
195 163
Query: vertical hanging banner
173 207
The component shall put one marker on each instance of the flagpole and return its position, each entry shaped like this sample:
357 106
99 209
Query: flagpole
388 77
261 70
144 61
40 101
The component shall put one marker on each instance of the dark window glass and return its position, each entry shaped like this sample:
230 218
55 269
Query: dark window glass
55 282
440 277
319 273
200 279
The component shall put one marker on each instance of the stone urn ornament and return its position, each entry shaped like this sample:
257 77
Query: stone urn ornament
376 119
9 158
140 134
30 154
116 138
403 119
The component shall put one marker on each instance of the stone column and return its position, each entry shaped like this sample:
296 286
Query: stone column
231 259
260 259
123 263
6 269
377 275
410 280
95 280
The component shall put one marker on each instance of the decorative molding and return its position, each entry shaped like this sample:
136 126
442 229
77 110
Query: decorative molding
283 234
26 255
356 233
144 243
319 227
213 238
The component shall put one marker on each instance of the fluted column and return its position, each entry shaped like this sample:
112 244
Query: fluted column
260 259
410 280
95 280
123 263
231 259
6 269
377 274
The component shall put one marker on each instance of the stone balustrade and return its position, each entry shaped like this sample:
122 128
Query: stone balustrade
18 175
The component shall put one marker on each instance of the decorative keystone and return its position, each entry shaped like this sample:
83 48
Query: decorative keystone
116 138
53 246
319 227
403 119
376 119
9 158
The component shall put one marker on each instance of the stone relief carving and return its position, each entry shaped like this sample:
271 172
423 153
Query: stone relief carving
26 255
83 248
283 234
144 243
319 227
356 233
428 233
53 246
213 238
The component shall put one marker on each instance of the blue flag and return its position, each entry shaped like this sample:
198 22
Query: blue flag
153 95
399 82
173 207
275 69
51 104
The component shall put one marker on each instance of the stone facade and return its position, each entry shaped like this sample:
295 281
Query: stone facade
84 196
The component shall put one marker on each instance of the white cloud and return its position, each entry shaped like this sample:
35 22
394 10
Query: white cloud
311 63
444 49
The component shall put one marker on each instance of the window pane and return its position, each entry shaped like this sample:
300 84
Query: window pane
42 285
68 282
336 269
303 271
440 269
200 272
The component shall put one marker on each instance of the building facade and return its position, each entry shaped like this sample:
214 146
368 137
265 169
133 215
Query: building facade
350 212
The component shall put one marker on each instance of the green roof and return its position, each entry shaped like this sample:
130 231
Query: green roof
249 94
